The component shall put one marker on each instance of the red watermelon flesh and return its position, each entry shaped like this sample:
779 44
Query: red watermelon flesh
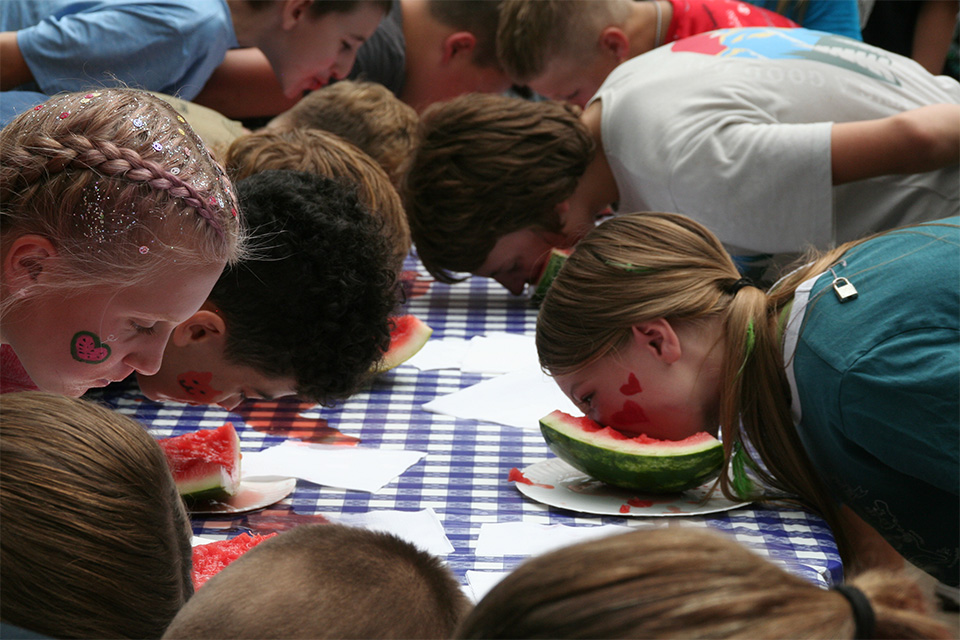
408 336
205 463
209 559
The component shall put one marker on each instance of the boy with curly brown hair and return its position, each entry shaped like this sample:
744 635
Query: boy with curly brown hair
306 315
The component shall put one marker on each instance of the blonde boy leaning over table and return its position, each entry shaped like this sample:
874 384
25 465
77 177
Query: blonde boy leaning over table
564 49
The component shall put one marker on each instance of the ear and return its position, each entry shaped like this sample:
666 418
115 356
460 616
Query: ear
613 41
293 11
203 326
659 339
27 260
459 44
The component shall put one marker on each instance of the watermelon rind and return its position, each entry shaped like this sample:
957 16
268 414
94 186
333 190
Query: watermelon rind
557 259
659 467
409 335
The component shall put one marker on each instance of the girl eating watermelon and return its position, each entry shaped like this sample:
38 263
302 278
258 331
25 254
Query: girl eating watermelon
843 378
116 223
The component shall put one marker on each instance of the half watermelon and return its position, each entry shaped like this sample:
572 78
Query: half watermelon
205 463
638 463
211 558
408 336
558 257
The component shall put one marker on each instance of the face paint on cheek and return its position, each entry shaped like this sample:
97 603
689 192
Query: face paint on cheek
632 387
630 415
196 384
86 347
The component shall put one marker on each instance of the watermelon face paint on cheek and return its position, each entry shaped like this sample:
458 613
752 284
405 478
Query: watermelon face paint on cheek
632 387
631 414
86 347
196 384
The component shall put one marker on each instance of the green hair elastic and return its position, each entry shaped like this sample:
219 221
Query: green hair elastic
751 341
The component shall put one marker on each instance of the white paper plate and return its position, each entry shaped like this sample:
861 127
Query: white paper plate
254 493
559 485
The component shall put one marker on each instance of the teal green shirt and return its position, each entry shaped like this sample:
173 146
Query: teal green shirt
877 389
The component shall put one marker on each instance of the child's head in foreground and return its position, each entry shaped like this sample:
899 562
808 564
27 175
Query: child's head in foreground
686 583
326 581
563 49
115 224
365 114
490 184
325 154
96 541
306 314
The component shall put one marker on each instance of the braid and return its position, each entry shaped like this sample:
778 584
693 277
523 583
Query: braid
75 151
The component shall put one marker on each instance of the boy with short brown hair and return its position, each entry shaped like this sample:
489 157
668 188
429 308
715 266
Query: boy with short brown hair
776 139
563 49
363 113
326 581
325 154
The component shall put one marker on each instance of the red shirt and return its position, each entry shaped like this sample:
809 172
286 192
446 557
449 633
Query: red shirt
13 377
691 17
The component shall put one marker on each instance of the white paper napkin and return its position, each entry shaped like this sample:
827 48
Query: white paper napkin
480 582
501 353
355 468
420 528
444 353
517 399
532 539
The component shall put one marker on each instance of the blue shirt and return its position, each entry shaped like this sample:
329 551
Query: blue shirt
170 46
877 390
833 16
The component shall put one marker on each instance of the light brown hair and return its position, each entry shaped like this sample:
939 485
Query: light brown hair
119 183
325 154
683 583
95 539
643 266
531 33
365 114
326 581
487 165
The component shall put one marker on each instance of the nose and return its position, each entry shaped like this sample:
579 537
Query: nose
513 282
147 360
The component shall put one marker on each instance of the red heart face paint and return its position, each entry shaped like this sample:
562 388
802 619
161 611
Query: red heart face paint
86 347
197 385
632 387
631 414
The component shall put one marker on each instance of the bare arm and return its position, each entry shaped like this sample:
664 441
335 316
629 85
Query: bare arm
932 33
13 68
244 86
914 141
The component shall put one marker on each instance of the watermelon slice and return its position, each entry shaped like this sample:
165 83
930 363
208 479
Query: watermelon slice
205 463
209 559
408 336
557 259
638 463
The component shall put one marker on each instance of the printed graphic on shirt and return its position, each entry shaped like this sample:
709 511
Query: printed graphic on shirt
761 43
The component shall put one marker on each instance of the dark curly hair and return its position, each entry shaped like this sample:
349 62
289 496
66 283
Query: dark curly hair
313 301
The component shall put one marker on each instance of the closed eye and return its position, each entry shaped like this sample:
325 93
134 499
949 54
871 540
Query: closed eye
142 330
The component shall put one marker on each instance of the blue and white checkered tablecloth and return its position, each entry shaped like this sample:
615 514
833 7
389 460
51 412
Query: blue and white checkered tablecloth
463 478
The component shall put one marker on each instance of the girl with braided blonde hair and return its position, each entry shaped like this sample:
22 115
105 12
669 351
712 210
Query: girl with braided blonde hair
116 222
840 386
